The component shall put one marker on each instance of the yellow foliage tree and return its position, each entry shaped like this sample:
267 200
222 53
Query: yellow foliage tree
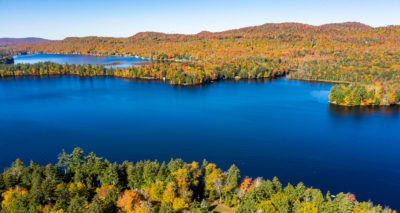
10 195
156 191
308 208
266 207
142 208
179 204
58 211
212 176
77 189
169 193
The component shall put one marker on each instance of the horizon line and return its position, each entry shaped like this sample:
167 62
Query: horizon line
188 34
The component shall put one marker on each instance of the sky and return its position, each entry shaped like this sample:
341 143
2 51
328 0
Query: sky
57 19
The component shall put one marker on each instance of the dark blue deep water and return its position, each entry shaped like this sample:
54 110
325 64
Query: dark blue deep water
275 128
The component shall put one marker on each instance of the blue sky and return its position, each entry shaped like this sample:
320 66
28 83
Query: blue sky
58 19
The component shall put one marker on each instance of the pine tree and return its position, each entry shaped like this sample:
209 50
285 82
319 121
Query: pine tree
233 177
77 204
110 175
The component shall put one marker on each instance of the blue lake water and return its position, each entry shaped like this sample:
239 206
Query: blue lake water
275 128
117 61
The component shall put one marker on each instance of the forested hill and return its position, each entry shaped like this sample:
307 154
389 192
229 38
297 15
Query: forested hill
19 41
205 44
343 52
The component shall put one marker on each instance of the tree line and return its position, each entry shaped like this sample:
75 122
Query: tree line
341 53
365 94
348 52
88 183
177 73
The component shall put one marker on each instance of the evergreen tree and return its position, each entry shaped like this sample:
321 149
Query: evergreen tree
150 171
232 178
135 175
174 165
162 172
77 204
96 206
110 175
64 161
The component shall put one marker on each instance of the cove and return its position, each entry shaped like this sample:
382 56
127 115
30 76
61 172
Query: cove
267 128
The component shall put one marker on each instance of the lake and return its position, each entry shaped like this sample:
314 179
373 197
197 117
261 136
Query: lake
116 61
273 128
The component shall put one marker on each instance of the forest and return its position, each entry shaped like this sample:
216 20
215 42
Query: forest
176 73
340 53
88 183
365 94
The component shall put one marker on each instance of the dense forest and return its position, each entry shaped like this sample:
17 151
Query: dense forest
365 94
341 53
88 183
177 73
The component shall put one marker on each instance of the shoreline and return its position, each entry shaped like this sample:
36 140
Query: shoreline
322 81
105 55
173 83
363 105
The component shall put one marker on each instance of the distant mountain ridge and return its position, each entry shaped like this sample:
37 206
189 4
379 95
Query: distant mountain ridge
166 36
17 41
251 31
147 44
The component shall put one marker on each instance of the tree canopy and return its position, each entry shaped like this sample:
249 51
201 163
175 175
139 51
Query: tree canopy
87 183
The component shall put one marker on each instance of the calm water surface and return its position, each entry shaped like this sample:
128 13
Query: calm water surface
277 128
117 61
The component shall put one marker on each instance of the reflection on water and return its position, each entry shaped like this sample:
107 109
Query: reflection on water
343 111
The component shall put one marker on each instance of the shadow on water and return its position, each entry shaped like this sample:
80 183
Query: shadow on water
345 111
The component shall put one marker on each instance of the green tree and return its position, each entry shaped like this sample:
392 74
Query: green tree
232 178
110 175
64 161
174 165
77 204
96 206
162 172
165 208
135 175
281 202
150 171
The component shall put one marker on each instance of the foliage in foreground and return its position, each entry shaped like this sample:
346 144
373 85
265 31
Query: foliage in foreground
87 183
